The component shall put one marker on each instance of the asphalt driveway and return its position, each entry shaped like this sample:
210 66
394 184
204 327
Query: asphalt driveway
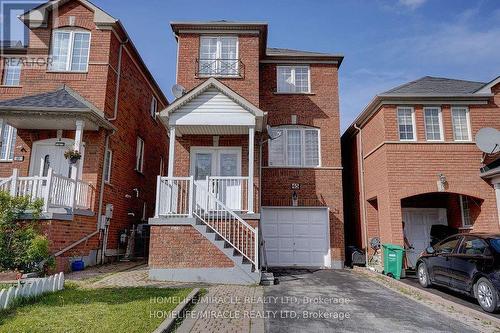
342 301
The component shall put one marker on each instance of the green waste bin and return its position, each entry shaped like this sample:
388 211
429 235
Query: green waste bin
393 260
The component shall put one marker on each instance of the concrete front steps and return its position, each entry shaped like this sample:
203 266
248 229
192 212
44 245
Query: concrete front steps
243 271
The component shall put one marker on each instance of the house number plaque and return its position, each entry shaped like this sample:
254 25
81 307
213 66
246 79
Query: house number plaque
295 186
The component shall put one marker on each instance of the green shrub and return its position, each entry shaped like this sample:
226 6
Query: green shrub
22 247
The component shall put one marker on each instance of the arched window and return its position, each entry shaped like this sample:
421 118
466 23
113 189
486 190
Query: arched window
295 146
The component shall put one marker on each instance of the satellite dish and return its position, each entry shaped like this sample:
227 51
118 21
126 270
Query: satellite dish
488 140
273 134
178 90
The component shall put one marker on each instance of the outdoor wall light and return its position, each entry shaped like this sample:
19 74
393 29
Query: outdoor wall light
442 183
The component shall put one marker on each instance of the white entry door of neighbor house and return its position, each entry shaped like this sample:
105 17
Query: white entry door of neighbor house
296 236
418 223
50 154
218 162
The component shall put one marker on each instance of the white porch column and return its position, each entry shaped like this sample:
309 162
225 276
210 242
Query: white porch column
80 124
251 148
171 152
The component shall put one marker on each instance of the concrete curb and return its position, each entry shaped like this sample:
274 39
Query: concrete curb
477 319
167 324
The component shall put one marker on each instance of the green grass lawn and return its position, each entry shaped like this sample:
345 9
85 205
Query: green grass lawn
77 309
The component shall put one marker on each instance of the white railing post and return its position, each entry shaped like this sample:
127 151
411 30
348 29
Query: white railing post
13 183
256 249
158 193
73 195
191 195
48 187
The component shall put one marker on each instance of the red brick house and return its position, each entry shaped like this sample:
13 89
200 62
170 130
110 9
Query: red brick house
254 160
81 85
410 156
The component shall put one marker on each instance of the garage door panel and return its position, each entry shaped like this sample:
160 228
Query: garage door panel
297 236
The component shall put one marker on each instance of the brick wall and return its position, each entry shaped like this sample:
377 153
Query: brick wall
396 171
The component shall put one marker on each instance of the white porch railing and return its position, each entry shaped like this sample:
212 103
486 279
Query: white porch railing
183 197
56 191
232 191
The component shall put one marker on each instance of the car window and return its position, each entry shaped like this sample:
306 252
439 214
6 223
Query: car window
473 246
447 246
495 242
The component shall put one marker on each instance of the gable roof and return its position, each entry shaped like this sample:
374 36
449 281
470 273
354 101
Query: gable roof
429 85
61 100
38 16
211 83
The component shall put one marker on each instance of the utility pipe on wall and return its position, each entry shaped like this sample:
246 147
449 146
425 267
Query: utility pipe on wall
362 183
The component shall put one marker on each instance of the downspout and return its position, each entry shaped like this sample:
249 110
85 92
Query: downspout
177 60
362 183
101 196
118 79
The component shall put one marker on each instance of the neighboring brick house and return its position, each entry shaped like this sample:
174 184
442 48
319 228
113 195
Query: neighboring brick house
410 156
81 84
240 101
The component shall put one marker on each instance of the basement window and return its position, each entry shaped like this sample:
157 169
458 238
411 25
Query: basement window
465 211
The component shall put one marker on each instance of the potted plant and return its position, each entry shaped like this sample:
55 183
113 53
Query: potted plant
72 155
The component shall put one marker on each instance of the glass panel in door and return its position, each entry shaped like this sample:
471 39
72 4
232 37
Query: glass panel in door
203 168
229 189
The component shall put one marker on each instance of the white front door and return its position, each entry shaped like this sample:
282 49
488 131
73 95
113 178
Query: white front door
218 162
296 236
48 155
418 224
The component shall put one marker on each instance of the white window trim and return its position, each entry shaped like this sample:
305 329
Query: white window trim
464 226
467 116
413 120
293 75
285 151
109 166
218 53
70 50
4 74
153 108
162 167
441 129
139 155
11 138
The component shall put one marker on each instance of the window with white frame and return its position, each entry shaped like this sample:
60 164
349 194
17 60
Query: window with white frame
108 160
219 55
293 79
295 147
465 210
12 72
9 134
461 123
162 167
406 124
70 50
139 160
433 123
154 107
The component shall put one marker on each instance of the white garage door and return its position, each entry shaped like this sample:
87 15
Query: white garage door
296 237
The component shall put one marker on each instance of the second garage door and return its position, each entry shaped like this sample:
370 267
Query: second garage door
297 236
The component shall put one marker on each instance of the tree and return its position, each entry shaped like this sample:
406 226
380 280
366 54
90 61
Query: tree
22 246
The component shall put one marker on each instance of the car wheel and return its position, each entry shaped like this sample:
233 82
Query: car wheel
486 295
423 275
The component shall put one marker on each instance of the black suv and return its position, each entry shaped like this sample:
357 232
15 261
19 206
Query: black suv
467 263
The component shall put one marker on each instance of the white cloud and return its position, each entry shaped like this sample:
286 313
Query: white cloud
412 4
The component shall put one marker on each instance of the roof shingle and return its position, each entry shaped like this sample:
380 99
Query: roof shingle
60 98
429 85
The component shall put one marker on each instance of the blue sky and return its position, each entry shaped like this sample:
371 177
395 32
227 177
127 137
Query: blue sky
385 43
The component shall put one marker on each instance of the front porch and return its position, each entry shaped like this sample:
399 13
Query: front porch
46 127
211 190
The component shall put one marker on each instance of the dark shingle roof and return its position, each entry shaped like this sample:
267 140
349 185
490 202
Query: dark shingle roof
271 51
436 86
17 44
61 98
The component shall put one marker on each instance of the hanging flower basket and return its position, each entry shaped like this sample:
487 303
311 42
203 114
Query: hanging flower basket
72 156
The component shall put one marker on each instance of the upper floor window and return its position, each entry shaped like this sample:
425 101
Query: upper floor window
219 56
139 155
293 79
12 72
406 124
295 146
9 134
154 107
433 123
70 50
461 123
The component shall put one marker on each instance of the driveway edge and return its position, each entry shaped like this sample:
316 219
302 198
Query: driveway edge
471 317
168 323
